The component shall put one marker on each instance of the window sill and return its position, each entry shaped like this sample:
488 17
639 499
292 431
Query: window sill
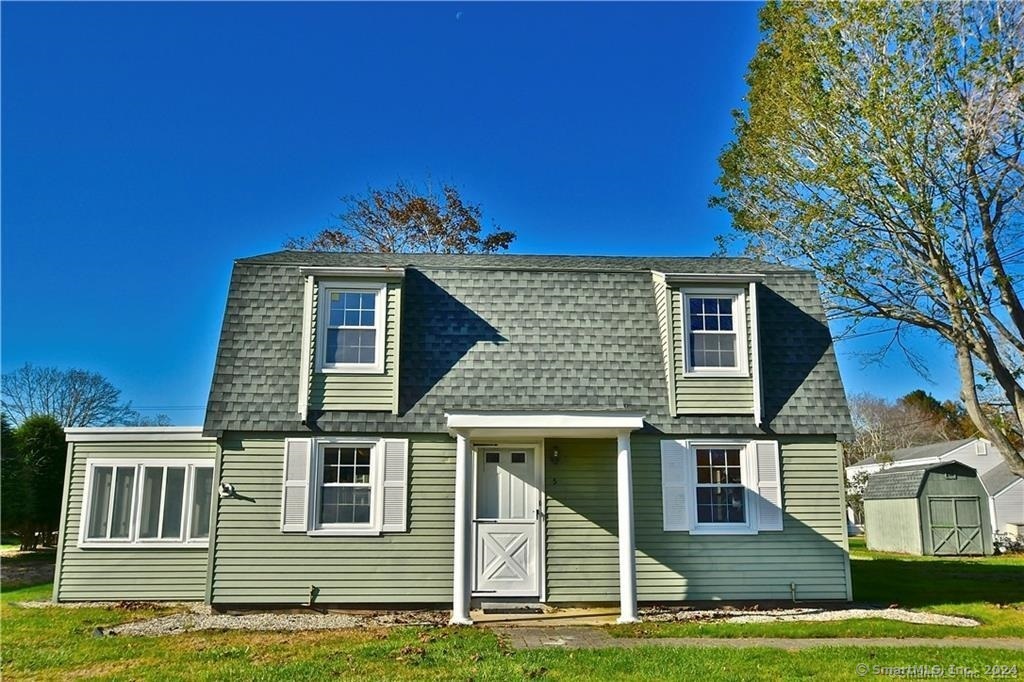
723 530
355 369
343 532
717 374
143 545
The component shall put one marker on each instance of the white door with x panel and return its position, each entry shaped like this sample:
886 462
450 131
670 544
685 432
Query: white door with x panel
507 523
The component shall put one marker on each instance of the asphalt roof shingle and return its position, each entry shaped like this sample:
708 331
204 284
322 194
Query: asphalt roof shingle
904 482
998 478
520 332
919 451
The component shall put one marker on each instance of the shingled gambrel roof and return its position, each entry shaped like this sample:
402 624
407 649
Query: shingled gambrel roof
520 332
904 482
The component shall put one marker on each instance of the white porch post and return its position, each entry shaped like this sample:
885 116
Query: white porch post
463 533
627 545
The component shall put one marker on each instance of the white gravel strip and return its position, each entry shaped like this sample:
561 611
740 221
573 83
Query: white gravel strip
810 615
269 621
45 604
201 617
196 616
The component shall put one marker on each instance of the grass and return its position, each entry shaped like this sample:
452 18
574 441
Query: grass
55 643
987 589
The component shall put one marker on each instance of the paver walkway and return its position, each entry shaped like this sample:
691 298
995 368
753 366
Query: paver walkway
596 638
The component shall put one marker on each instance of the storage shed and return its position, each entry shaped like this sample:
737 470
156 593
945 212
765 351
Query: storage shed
939 508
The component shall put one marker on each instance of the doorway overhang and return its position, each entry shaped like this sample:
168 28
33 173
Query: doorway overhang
543 424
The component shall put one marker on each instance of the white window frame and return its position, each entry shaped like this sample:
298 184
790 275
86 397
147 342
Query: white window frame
133 540
739 316
376 485
380 290
748 459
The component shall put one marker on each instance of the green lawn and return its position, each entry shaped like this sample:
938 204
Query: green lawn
54 643
989 590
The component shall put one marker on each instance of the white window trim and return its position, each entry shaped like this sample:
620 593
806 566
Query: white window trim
748 459
133 540
742 368
374 527
380 289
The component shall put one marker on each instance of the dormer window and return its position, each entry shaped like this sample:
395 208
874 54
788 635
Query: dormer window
351 328
716 337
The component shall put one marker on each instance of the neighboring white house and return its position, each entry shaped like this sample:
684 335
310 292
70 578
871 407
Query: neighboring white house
1005 489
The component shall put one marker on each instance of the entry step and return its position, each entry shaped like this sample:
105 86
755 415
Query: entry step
500 607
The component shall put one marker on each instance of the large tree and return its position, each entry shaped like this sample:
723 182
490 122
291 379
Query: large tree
32 479
74 397
405 218
881 147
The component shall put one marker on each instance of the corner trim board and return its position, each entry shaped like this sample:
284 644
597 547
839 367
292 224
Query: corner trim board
755 356
63 525
305 359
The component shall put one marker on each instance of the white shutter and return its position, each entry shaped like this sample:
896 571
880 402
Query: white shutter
676 485
395 488
768 485
295 492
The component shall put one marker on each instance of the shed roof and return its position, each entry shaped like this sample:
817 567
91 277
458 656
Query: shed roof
904 482
508 332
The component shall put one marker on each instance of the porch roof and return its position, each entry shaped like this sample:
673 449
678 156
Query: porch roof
505 423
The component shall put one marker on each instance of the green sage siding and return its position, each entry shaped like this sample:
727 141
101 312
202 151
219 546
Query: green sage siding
581 540
147 573
711 395
332 391
255 563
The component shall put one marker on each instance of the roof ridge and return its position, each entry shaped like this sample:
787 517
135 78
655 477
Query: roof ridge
531 261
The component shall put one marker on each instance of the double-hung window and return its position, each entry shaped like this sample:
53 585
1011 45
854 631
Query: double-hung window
721 487
153 503
347 486
721 493
351 328
340 486
716 341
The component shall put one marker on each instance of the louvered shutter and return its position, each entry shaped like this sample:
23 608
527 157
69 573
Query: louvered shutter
769 485
396 486
295 492
676 485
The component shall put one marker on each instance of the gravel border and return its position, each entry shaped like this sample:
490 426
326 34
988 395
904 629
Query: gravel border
196 617
807 615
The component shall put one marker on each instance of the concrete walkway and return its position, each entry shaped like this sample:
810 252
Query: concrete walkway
597 638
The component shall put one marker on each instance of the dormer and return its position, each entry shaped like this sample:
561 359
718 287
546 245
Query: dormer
351 324
709 335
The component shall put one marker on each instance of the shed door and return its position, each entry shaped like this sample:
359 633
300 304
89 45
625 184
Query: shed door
955 525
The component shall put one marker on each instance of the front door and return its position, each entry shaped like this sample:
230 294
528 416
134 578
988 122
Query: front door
507 522
955 525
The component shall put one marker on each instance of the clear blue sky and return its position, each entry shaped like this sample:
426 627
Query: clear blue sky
145 146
